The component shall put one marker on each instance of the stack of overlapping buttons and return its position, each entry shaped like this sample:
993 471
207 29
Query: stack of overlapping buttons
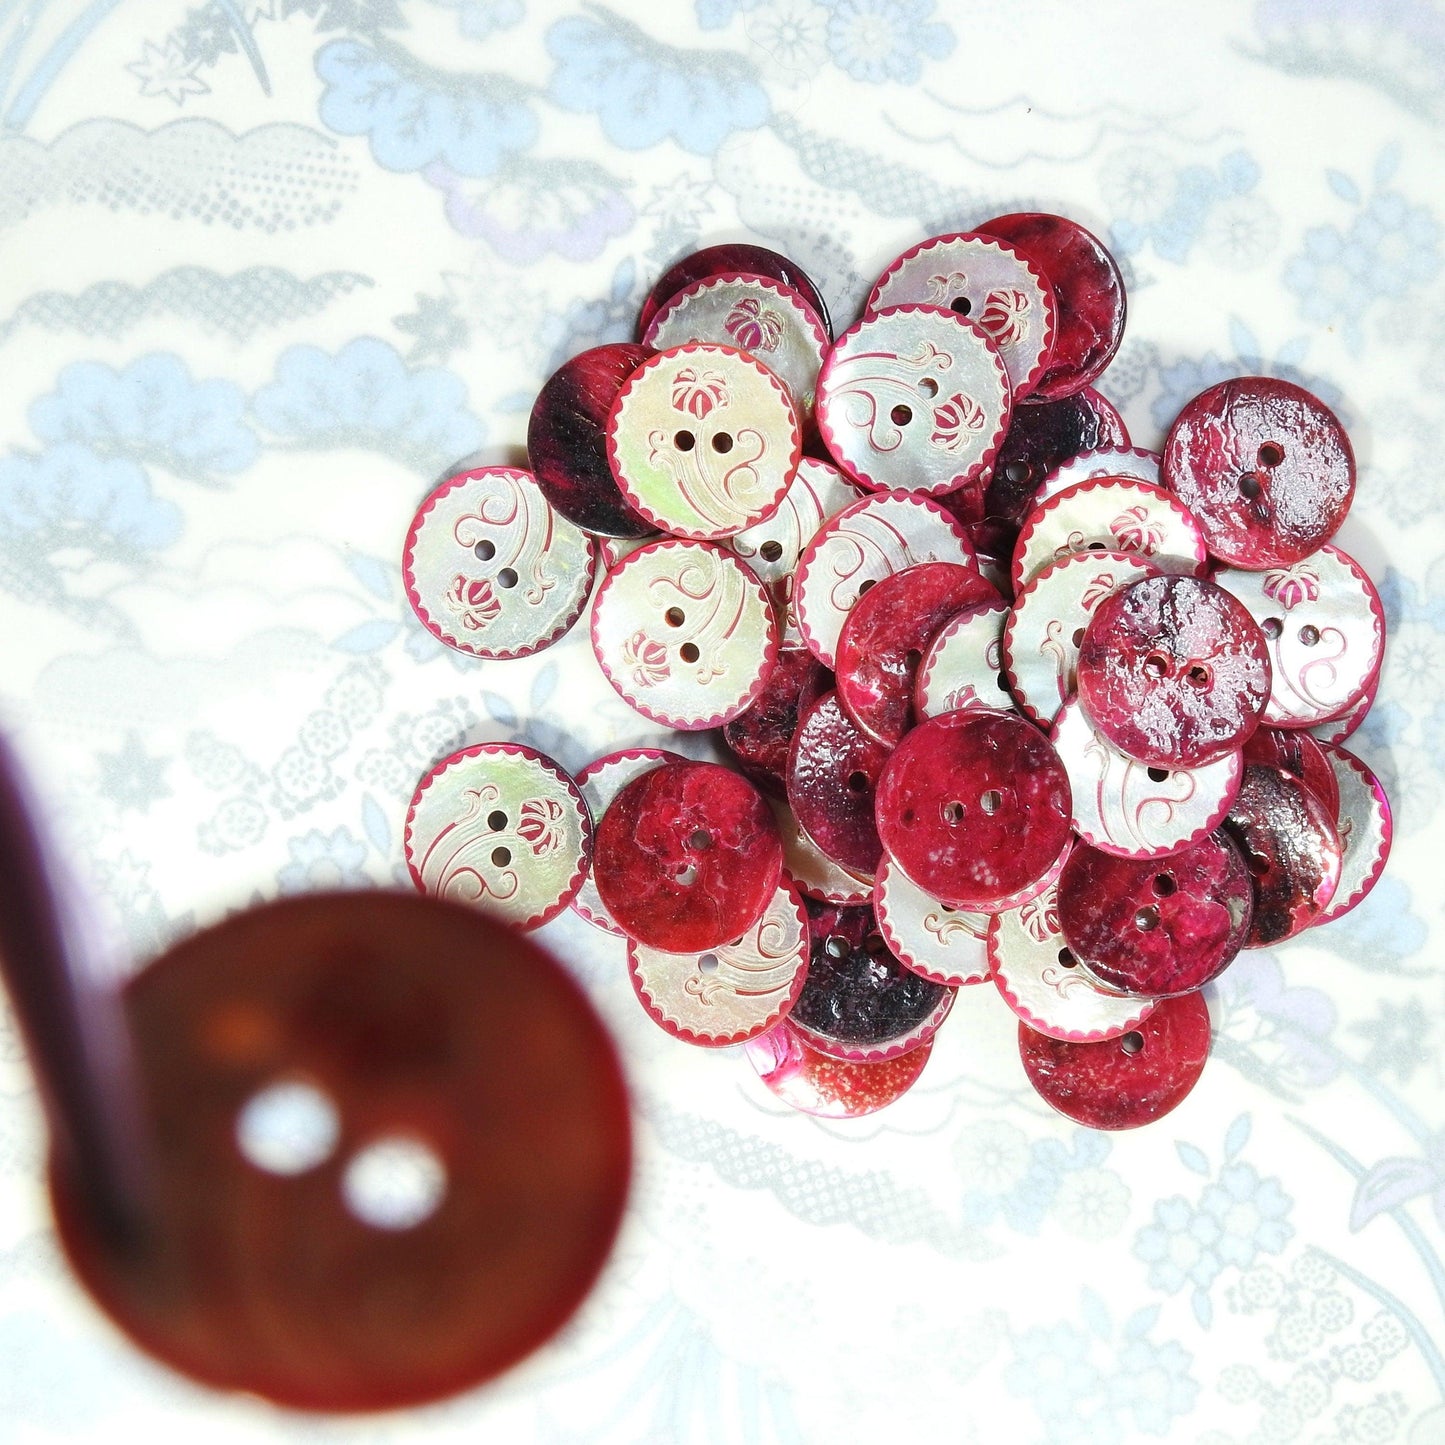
1000 697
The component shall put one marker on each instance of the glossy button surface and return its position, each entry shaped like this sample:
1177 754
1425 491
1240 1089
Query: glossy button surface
815 874
814 1083
1101 464
939 942
1366 831
963 666
730 257
761 736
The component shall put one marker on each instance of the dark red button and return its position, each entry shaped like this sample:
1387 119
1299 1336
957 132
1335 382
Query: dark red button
1301 756
813 1083
1124 1082
687 857
974 807
1265 467
718 261
761 736
1173 671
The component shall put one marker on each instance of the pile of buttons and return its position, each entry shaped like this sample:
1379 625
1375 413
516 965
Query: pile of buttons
1002 699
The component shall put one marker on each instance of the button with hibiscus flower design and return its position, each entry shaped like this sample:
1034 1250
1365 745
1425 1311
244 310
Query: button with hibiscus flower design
491 568
500 826
731 257
963 666
829 1088
685 633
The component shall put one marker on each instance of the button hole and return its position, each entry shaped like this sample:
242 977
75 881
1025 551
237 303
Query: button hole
1132 1043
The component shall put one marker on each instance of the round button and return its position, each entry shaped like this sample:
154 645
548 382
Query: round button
963 665
491 569
567 440
1103 464
1341 729
761 736
684 633
814 873
1156 927
703 441
813 1083
990 283
502 827
1366 831
974 807
1173 672
733 992
1125 1082
938 942
1265 467
731 258
1300 755
687 857
915 398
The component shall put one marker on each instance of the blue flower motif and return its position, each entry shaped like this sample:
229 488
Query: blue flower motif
1153 1384
1052 1369
323 861
644 92
153 411
413 115
885 40
718 14
366 396
481 18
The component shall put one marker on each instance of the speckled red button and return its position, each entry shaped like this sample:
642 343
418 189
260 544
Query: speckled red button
963 666
1301 756
974 807
687 857
828 1088
731 256
1124 1082
939 942
761 736
1173 671
1265 466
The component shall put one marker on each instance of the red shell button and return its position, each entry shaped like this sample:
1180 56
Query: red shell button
828 1088
1301 756
761 736
730 257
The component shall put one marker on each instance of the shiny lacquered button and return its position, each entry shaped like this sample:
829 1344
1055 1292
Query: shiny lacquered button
1109 516
770 322
860 1003
974 807
687 857
989 282
963 665
1125 1082
730 258
732 992
1292 848
859 547
833 773
1088 292
1103 464
1326 632
828 1088
1300 755
492 569
1173 671
1046 625
1135 810
761 736
1041 981
815 874
599 783
1266 468
567 440
685 633
1156 927
500 826
1365 827
915 398
1342 728
886 634
703 441
940 943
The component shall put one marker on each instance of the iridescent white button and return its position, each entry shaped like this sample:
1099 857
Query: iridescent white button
990 283
963 666
703 441
1366 831
946 945
915 398
491 568
1342 728
810 868
500 826
685 633
1105 463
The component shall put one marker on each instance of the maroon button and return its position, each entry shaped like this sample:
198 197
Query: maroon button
567 440
886 635
833 772
761 736
719 260
1292 847
859 1002
974 807
1088 291
1301 756
807 866
1156 926
687 857
1124 1082
1173 671
1265 467
813 1083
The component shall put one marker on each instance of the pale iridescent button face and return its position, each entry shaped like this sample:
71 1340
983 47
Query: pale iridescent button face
770 322
1132 810
685 633
703 441
502 827
1366 831
989 282
946 945
861 545
733 992
600 782
915 398
1041 981
815 873
1325 627
491 568
1046 625
963 665
1110 516
1107 462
